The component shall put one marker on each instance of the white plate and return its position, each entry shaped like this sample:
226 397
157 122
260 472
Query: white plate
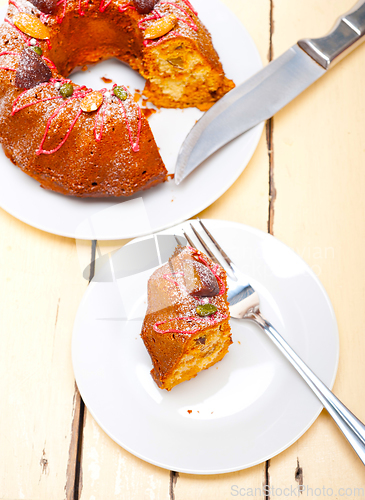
166 204
247 408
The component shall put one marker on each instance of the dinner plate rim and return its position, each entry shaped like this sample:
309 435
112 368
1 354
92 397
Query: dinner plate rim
261 234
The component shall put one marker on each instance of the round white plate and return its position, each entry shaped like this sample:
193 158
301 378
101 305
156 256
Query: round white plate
167 204
245 409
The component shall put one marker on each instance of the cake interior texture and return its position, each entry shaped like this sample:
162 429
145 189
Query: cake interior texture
181 343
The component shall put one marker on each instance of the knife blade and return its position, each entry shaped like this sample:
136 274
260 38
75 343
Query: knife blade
269 90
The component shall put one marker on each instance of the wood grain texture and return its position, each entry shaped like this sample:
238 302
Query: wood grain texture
41 286
319 212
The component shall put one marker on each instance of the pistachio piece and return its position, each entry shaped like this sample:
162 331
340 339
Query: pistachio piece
206 309
37 50
120 93
66 90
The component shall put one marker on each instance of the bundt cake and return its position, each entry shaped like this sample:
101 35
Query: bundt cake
186 326
87 143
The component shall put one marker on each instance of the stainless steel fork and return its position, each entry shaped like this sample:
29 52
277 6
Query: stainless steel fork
244 303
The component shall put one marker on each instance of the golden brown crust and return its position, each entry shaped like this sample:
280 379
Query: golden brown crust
168 301
84 166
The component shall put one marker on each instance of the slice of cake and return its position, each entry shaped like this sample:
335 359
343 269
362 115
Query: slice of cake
186 328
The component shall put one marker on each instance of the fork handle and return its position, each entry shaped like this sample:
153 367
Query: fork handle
351 426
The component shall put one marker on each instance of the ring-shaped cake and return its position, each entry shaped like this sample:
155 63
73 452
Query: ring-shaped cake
87 143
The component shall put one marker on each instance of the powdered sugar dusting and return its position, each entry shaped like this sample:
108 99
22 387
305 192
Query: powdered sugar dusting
171 294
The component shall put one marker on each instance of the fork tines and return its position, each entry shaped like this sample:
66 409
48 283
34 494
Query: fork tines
206 247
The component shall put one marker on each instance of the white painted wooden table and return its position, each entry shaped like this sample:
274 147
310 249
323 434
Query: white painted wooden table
305 184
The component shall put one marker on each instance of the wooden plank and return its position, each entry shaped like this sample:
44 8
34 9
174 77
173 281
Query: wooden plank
41 288
107 469
319 211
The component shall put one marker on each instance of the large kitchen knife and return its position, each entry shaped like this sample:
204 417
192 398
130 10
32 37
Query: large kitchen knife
269 90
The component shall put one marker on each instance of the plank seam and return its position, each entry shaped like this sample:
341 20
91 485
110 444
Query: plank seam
270 137
272 196
82 420
73 486
173 479
299 476
267 481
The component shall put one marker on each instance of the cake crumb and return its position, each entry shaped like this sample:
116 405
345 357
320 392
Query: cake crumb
106 80
84 68
148 112
239 342
190 411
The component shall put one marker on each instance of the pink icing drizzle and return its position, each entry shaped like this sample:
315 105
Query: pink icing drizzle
49 152
100 119
5 53
11 2
49 62
104 5
44 17
188 4
123 8
15 109
81 92
23 35
134 144
155 15
60 19
99 115
81 12
168 278
190 23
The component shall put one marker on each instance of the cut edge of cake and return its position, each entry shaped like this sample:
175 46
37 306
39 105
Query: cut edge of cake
178 354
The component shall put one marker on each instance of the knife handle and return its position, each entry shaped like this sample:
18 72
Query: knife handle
346 35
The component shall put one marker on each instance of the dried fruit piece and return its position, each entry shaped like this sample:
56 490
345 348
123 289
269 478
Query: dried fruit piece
206 309
199 280
31 71
91 102
37 50
120 93
177 62
31 25
161 27
46 6
145 6
66 90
